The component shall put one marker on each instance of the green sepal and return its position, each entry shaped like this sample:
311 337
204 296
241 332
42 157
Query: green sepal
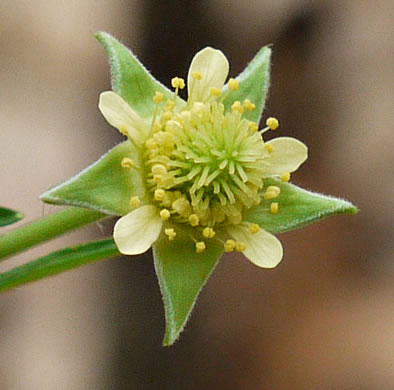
297 208
8 216
182 273
57 262
131 80
104 186
254 83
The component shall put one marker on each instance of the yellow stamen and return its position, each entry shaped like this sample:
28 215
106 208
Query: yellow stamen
240 246
285 177
170 105
194 220
167 115
123 129
271 192
253 126
127 163
216 92
156 127
158 98
197 75
249 105
269 148
159 194
254 228
165 215
208 232
233 84
274 207
170 232
237 106
135 202
200 246
272 123
229 246
177 82
159 169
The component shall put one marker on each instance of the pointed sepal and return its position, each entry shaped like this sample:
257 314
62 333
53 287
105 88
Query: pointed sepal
105 186
254 83
8 216
297 208
130 79
182 273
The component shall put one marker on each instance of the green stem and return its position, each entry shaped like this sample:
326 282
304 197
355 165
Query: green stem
57 262
45 229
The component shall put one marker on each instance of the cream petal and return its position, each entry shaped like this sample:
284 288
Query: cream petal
137 231
286 156
262 248
214 68
120 115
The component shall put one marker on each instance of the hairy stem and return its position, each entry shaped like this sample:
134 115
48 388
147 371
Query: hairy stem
45 229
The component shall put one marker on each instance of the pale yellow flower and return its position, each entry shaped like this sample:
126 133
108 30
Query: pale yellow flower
204 167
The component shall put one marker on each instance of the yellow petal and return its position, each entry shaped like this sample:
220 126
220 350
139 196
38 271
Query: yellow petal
213 66
120 115
286 156
262 248
137 231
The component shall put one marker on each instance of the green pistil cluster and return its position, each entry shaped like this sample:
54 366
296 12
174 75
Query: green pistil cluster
205 166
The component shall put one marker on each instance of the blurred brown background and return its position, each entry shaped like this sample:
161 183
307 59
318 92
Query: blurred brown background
324 318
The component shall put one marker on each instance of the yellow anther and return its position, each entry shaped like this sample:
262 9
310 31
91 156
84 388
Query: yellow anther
274 207
159 179
208 232
194 220
233 84
123 129
159 169
269 148
271 192
272 123
237 106
159 194
177 82
254 228
165 215
197 75
200 246
285 177
158 98
156 127
182 207
216 92
253 126
135 202
151 144
167 115
240 246
170 105
127 163
249 105
170 232
229 245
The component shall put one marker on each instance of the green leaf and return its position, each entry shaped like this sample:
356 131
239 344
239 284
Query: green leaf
105 186
182 273
254 83
58 262
297 208
130 79
8 216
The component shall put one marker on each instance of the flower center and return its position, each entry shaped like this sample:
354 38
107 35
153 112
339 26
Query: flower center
205 166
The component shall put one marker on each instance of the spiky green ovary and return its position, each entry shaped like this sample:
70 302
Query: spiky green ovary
206 163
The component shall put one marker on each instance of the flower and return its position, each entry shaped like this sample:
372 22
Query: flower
204 165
